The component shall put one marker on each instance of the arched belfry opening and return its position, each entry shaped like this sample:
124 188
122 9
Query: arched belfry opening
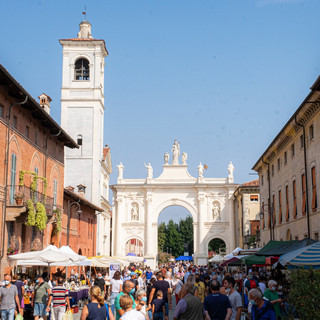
139 205
81 69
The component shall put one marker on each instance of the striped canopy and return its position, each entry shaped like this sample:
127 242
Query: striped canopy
305 257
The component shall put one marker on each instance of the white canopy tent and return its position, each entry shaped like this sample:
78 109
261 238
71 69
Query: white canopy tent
105 261
216 259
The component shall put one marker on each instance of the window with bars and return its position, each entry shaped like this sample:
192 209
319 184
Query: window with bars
311 132
292 150
82 70
294 186
280 207
304 194
314 189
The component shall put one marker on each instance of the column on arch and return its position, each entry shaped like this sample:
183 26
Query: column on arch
148 231
120 212
202 255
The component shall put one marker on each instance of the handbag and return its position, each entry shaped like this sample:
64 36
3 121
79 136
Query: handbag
19 317
68 315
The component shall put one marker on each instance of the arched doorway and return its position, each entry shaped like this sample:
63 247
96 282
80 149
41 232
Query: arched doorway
216 246
289 235
134 246
175 232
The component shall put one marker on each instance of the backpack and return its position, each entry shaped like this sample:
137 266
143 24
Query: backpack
253 284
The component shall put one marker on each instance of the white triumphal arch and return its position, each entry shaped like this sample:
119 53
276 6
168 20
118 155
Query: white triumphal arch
137 204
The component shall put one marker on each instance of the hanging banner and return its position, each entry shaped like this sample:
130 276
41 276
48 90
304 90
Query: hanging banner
113 268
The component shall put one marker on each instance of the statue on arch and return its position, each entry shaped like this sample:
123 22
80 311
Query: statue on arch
216 212
184 158
200 170
230 171
135 212
166 158
149 170
120 168
175 152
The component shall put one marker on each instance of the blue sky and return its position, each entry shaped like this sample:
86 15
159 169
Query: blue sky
222 77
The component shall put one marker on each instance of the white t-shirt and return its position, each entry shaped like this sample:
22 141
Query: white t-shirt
177 283
262 287
115 285
133 315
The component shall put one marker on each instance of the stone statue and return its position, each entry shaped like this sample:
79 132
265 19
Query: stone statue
200 170
184 158
120 170
149 170
216 212
166 158
230 171
175 152
135 212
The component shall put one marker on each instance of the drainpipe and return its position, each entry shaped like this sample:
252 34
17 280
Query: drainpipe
6 177
305 169
269 202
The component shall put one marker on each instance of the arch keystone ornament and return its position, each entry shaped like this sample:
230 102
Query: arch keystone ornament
174 187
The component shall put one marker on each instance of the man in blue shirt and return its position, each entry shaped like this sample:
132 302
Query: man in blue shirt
217 305
261 309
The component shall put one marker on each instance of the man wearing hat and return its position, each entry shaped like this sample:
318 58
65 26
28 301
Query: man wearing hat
40 299
134 280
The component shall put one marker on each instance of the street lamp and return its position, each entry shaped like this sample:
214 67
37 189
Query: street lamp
261 214
70 204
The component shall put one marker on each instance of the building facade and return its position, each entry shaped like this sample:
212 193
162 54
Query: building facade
247 209
137 204
289 176
79 222
32 171
82 116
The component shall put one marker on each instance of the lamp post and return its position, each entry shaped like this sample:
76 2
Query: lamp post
70 204
261 214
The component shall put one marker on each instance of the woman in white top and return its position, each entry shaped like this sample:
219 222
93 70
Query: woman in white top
177 285
115 288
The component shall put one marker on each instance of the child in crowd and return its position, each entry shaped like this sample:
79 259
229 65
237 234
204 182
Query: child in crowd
158 307
126 304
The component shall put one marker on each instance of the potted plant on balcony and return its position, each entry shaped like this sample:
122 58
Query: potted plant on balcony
19 198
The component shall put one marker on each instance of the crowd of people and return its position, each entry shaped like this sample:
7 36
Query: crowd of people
137 293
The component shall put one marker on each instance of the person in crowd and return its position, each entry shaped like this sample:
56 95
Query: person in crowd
141 280
168 278
141 302
20 286
134 281
127 290
60 299
234 297
100 282
262 284
177 285
200 287
261 309
115 288
186 275
207 285
272 295
82 277
9 299
40 296
158 307
189 307
149 288
96 309
130 313
162 285
217 305
148 275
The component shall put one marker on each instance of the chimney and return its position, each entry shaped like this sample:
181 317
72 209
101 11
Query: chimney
70 188
45 102
81 190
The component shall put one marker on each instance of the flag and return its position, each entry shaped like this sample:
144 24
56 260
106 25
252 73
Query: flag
205 166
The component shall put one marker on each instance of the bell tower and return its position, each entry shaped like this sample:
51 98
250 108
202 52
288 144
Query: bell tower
82 113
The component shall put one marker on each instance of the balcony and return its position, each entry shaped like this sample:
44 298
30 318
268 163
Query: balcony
17 201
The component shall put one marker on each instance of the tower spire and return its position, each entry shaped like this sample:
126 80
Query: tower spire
85 12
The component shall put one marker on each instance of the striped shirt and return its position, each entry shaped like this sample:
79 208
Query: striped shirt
59 294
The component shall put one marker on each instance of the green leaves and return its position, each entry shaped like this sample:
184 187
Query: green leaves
41 216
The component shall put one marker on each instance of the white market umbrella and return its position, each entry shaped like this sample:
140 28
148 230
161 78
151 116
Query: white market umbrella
105 261
217 258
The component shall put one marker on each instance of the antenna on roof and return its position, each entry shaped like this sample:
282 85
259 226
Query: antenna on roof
85 12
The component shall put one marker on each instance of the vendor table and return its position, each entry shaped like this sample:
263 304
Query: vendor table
76 296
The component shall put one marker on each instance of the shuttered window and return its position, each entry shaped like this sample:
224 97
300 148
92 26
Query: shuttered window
294 199
304 194
269 215
274 220
280 208
314 190
55 189
287 204
263 221
13 175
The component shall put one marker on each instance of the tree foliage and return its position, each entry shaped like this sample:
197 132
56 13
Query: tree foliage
304 293
217 245
176 238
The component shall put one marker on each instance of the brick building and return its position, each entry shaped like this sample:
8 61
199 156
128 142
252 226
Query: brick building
32 169
79 222
289 176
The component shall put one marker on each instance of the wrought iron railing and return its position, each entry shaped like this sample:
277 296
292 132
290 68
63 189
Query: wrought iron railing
19 196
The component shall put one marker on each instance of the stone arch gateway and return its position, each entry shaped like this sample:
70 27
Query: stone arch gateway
137 204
